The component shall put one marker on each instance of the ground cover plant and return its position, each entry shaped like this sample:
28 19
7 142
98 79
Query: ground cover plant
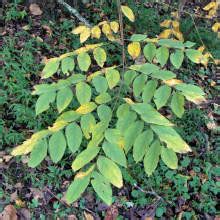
102 113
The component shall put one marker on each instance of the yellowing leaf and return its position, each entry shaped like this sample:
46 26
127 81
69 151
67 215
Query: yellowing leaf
165 34
128 100
106 29
176 25
85 35
110 37
128 13
178 35
79 30
216 27
202 48
58 125
172 82
114 26
86 108
210 6
134 49
95 32
166 23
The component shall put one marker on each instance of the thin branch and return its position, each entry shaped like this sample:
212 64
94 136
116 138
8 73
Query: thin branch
74 12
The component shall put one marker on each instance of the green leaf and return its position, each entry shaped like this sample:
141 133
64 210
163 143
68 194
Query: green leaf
122 110
138 84
141 144
73 136
171 43
85 157
162 55
129 76
103 98
87 123
171 138
67 65
100 56
194 55
57 146
77 187
50 68
84 61
177 104
64 97
169 158
113 135
113 77
83 92
110 171
100 84
114 152
38 153
150 115
138 37
102 187
161 96
148 68
43 102
131 133
150 51
191 92
163 75
189 44
151 158
105 113
176 58
148 91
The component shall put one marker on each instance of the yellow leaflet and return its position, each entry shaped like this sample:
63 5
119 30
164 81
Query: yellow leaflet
114 26
85 35
212 13
176 25
128 13
216 27
86 108
102 22
173 82
202 48
86 173
121 143
151 40
178 35
166 23
165 34
175 14
54 59
79 30
86 48
210 6
96 32
58 126
129 101
106 29
134 49
67 55
110 37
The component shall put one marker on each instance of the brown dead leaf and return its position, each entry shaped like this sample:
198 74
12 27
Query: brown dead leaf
112 213
9 213
35 9
24 214
13 196
47 29
71 217
88 216
37 194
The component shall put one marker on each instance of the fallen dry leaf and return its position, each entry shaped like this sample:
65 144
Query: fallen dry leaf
35 9
88 216
112 213
9 213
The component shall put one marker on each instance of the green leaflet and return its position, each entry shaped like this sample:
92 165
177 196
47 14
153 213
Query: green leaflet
57 146
129 76
43 102
113 135
131 133
171 138
141 144
177 104
83 92
50 68
85 157
114 152
105 113
150 115
151 158
161 96
149 51
64 97
138 37
194 55
103 98
171 43
100 56
110 171
122 110
113 77
162 55
73 136
38 153
189 44
148 68
87 123
163 75
78 186
102 187
176 58
67 65
84 61
138 84
169 158
148 91
100 83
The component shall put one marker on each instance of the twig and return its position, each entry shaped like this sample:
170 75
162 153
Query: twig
74 12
